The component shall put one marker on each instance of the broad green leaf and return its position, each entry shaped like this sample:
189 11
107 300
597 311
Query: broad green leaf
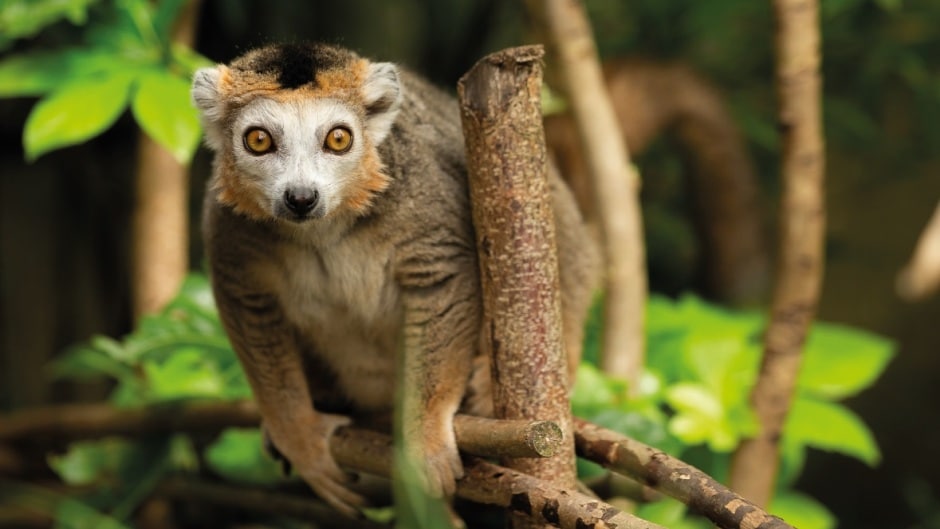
163 109
88 362
75 112
187 59
838 361
186 373
800 510
86 462
238 455
20 19
666 512
74 514
37 73
592 392
145 463
830 426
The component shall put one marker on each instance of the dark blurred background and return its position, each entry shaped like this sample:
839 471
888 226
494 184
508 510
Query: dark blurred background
64 219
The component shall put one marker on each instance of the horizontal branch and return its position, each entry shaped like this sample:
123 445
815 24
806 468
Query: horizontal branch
475 435
566 508
671 476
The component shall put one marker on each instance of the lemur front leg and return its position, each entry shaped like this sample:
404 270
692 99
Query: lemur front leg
440 341
266 345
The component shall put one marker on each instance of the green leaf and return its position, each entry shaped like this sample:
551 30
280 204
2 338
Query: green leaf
88 461
25 19
186 373
76 112
163 109
800 510
37 73
69 513
830 426
838 361
88 362
237 455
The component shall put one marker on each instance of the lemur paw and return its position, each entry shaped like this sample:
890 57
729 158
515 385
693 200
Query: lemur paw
307 450
438 461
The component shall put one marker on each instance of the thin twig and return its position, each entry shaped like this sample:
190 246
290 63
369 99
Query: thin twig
672 477
802 224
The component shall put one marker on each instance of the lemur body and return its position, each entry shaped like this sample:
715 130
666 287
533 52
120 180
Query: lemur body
338 230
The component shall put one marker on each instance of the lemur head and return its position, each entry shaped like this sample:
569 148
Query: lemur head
295 128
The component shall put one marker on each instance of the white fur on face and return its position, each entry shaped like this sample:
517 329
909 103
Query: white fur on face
298 130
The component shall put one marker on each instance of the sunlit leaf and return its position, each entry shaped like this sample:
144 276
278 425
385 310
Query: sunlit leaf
800 510
37 73
163 109
75 112
238 455
25 19
186 373
839 362
86 462
88 362
830 426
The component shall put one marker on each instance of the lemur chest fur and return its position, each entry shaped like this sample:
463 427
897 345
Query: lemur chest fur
344 302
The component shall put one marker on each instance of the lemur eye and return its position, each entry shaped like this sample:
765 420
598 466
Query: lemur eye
338 140
258 141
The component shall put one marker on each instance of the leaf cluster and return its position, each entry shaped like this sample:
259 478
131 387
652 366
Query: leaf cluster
693 399
123 58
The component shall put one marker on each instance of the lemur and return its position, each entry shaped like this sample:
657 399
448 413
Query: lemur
338 230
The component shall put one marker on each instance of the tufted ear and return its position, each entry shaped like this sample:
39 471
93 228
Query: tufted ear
206 97
382 92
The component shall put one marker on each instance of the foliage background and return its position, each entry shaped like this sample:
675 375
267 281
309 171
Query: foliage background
64 218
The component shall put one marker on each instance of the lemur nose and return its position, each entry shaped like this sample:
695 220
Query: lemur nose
301 200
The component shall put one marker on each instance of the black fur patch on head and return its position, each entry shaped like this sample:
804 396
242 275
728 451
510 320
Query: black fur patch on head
294 65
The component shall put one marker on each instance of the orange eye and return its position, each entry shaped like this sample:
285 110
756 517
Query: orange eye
258 141
338 140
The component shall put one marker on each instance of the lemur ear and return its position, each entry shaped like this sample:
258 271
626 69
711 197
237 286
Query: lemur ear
382 92
206 97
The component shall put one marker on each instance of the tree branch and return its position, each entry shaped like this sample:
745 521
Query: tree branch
616 185
512 214
800 266
672 477
475 435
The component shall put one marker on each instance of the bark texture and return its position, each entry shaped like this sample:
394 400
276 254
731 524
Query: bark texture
802 223
515 229
538 499
161 216
503 438
651 99
671 476
616 184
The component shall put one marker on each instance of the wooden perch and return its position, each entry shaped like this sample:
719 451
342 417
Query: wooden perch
475 435
515 229
505 438
672 477
616 184
368 451
802 229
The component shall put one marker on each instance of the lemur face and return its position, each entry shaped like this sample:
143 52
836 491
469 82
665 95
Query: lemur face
296 129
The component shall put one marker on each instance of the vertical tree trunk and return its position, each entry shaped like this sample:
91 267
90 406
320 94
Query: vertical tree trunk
800 267
515 229
161 217
616 185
